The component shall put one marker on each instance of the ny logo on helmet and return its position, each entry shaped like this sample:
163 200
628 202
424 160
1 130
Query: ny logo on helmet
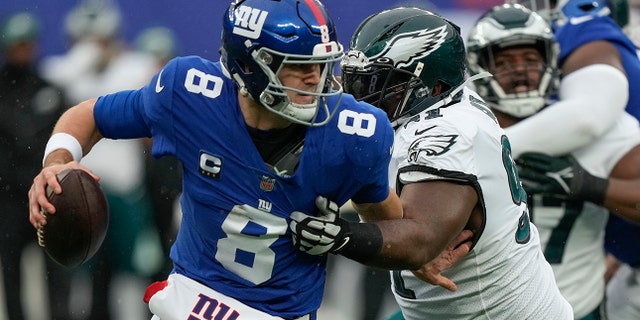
249 22
405 48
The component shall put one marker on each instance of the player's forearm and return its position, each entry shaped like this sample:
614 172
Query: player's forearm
406 245
79 124
623 198
434 213
390 208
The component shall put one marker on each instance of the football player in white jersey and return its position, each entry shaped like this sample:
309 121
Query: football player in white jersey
517 46
593 46
453 170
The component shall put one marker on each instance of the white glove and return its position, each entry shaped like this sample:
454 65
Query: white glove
321 234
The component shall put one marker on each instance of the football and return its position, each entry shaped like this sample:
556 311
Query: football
74 233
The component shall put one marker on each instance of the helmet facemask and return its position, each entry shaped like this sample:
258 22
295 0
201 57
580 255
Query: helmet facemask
275 96
512 90
260 38
518 89
380 83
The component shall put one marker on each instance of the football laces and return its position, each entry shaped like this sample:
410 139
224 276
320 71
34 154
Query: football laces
40 231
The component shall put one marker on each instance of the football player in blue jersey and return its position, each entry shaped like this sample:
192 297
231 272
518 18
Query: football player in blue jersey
567 202
601 69
451 165
260 134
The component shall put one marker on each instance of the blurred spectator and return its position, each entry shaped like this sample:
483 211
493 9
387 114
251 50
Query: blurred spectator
164 176
632 29
375 288
97 63
374 298
158 42
29 106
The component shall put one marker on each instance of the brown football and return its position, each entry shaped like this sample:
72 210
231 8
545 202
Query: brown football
75 232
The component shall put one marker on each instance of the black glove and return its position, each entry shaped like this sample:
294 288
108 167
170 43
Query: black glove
562 177
321 234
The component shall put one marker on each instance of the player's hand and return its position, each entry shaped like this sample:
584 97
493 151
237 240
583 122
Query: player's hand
38 195
431 272
321 234
613 265
562 177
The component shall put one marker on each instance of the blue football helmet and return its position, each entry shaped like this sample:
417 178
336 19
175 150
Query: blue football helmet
558 12
259 37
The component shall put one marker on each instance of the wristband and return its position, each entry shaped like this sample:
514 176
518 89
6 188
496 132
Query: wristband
365 242
593 189
64 141
587 187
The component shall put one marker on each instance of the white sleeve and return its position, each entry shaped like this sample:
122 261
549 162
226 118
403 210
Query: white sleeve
591 99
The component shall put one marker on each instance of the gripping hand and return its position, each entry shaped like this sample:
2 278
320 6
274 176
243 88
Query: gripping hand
321 234
562 177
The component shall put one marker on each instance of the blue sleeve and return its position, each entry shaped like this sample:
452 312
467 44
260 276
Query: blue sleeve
572 36
146 112
119 116
376 162
621 240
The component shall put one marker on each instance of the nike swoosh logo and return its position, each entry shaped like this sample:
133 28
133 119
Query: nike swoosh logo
344 243
579 20
158 86
419 132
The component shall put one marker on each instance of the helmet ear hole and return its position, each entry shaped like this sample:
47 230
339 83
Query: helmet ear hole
440 87
245 69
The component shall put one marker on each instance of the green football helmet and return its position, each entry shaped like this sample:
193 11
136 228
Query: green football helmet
20 27
396 58
510 26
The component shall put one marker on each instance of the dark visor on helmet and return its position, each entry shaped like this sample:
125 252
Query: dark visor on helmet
379 84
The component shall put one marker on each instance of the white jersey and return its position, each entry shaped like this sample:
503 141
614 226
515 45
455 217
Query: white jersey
505 275
572 233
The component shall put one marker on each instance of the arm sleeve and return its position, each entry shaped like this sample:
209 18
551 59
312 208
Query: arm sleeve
591 99
118 115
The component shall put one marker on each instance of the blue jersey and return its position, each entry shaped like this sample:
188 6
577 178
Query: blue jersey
592 28
234 235
621 236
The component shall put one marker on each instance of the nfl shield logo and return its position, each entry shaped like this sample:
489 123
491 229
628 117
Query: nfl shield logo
267 183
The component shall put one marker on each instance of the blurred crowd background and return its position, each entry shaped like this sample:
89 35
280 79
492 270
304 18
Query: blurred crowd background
80 49
197 22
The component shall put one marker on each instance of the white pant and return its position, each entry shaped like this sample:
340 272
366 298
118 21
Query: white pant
623 294
184 298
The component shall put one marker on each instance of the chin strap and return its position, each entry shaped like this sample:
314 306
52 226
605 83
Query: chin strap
446 99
